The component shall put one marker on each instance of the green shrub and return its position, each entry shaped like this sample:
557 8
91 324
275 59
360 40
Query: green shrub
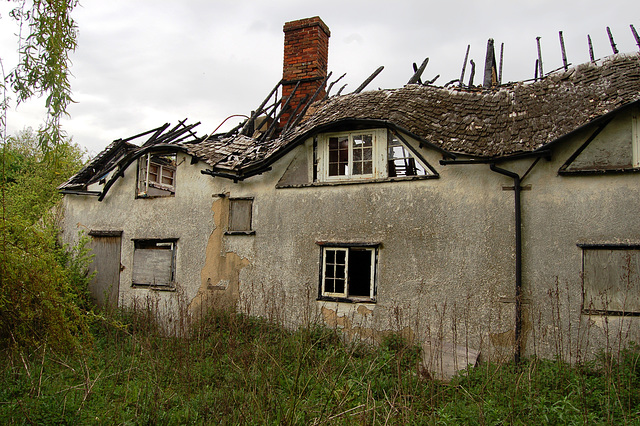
43 286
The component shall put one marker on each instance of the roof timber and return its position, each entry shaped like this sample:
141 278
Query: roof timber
487 124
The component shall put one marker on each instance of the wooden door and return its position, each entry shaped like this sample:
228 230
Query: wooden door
105 285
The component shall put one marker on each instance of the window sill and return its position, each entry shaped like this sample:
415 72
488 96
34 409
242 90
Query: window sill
149 197
346 299
239 232
154 287
358 181
593 312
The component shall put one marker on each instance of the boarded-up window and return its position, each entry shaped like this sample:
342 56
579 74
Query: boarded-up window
611 279
154 262
240 211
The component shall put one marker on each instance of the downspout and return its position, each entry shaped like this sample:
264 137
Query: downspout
518 218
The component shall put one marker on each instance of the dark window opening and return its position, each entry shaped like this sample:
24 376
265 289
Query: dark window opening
348 273
401 162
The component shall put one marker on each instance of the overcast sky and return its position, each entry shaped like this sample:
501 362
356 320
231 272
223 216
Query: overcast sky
142 63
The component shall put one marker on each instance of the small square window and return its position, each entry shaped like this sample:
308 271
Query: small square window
154 263
349 272
611 279
240 215
156 175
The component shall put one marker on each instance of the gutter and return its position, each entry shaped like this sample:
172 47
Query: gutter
517 180
518 219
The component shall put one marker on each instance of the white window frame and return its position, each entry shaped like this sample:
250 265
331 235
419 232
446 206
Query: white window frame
319 157
327 269
378 155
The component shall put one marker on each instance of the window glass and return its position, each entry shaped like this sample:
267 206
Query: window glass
338 156
362 154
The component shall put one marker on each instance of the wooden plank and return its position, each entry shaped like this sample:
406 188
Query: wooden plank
240 214
613 43
369 80
612 280
105 285
464 65
153 266
418 73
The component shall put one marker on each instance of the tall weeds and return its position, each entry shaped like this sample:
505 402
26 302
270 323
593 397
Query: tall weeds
238 369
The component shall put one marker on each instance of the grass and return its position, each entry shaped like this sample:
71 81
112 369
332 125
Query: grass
235 369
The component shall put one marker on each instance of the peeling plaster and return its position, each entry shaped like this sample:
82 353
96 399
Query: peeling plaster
220 276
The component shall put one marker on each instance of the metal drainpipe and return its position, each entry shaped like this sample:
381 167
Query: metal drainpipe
516 185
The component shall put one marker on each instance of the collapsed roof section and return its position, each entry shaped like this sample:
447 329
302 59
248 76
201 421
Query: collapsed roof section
477 122
122 152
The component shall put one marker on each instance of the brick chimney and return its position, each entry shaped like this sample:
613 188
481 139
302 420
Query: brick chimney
306 52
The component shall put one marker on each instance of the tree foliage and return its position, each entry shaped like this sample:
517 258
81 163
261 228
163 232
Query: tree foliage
51 35
43 285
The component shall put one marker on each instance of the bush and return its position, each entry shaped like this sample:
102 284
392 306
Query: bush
43 285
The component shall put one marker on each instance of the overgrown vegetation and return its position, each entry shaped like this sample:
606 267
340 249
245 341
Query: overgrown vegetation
235 369
43 285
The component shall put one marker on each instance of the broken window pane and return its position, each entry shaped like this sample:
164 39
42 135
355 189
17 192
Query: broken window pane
401 161
360 272
154 262
156 175
611 279
349 273
240 211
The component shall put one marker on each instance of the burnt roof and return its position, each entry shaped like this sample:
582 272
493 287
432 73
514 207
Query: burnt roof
99 165
503 121
478 122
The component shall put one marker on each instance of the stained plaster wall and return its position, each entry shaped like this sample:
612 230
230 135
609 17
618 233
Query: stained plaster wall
559 212
445 266
446 258
187 217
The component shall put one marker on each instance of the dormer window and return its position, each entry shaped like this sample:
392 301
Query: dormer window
352 155
156 175
364 155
